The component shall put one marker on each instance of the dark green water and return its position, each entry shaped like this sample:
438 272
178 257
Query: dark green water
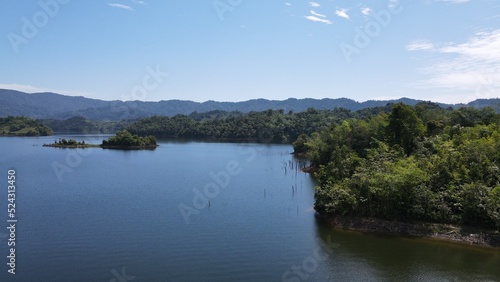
116 216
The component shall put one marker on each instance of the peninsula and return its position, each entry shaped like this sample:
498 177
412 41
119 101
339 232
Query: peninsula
22 126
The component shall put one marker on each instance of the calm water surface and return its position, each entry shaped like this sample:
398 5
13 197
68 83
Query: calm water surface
191 211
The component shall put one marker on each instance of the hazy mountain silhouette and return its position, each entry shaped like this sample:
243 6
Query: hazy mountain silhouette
57 106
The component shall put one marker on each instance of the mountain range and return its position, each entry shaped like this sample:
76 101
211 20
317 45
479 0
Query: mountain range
56 106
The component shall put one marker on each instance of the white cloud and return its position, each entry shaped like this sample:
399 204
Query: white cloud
366 11
472 66
314 4
288 4
317 14
139 2
316 19
342 13
121 6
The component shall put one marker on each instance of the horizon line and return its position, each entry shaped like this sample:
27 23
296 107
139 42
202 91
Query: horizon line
242 101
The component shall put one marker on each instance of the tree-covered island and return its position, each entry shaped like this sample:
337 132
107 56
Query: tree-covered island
71 143
123 140
126 140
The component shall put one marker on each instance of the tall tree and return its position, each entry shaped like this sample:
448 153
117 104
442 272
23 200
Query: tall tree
404 128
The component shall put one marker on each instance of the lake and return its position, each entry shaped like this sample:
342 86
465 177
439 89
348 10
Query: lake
195 211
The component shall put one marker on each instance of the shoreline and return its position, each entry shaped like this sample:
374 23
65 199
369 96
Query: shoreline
148 147
310 169
72 146
22 135
439 231
445 232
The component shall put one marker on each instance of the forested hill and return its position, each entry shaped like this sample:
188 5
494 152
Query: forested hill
416 164
22 126
56 106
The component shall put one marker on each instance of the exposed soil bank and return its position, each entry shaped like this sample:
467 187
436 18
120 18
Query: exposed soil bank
309 169
463 234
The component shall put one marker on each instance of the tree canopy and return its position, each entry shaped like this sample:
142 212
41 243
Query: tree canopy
274 126
23 126
124 138
420 163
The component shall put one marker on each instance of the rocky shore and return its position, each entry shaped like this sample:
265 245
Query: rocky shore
463 234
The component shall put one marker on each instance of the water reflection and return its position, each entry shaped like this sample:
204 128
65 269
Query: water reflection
395 258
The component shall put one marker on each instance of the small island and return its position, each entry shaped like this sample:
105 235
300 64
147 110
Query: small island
123 140
126 140
71 143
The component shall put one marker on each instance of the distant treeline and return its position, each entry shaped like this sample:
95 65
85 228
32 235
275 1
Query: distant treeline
274 126
23 126
420 163
84 126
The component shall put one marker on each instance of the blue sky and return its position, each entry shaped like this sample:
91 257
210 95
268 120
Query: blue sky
236 50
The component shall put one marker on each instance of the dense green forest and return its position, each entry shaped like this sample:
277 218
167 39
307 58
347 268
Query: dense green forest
124 138
274 126
420 163
84 126
23 126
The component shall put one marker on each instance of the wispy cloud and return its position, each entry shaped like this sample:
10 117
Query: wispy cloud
420 45
317 19
342 13
314 4
121 6
366 11
317 14
139 2
453 1
463 66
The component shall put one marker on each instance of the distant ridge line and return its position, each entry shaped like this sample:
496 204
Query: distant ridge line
48 105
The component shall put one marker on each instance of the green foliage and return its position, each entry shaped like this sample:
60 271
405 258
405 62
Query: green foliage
394 167
124 138
405 128
468 116
271 126
23 126
70 142
299 145
82 125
